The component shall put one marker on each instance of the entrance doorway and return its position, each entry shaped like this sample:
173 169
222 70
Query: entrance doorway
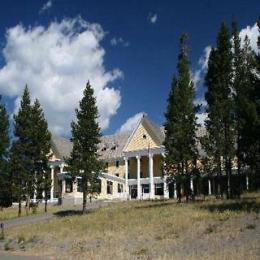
133 191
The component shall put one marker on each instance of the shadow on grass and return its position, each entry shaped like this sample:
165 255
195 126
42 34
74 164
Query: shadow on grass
69 213
244 205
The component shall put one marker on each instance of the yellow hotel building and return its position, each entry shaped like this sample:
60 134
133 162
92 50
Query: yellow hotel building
133 166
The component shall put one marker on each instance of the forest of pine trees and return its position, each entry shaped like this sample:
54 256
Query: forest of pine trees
230 148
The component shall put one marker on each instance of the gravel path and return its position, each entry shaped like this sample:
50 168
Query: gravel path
69 210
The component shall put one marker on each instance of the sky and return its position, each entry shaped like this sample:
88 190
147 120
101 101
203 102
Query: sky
126 49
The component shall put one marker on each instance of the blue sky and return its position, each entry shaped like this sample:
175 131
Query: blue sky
138 47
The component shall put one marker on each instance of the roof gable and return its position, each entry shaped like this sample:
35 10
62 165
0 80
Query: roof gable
145 135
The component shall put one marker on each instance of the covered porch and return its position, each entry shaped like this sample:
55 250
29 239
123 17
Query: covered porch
144 178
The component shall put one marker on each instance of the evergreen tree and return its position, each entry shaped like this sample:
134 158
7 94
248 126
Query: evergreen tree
244 97
180 126
86 135
23 149
220 129
41 150
5 194
251 131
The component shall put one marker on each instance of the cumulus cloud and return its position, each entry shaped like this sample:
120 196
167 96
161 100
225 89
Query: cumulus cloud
131 123
252 33
119 41
46 6
201 117
197 75
56 62
152 18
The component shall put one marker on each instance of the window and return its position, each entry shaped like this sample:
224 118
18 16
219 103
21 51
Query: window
159 189
119 188
117 164
106 164
79 186
144 136
146 188
113 148
109 187
103 149
117 174
98 186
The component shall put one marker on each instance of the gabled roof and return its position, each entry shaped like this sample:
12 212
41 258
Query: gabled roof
156 130
61 147
111 146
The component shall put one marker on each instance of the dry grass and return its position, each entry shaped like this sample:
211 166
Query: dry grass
150 230
12 212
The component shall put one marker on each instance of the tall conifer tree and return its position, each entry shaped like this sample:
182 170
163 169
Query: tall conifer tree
180 126
23 149
86 135
220 105
41 150
5 194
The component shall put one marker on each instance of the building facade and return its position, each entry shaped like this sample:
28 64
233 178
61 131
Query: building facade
133 166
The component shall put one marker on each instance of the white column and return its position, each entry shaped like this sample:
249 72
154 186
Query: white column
52 183
34 195
151 176
175 190
126 178
138 177
247 182
191 184
63 190
209 187
165 188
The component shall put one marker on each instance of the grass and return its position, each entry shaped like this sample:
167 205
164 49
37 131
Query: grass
12 212
211 229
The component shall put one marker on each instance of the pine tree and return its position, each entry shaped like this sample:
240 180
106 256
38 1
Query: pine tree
86 135
245 109
220 143
251 131
23 149
41 150
5 194
180 126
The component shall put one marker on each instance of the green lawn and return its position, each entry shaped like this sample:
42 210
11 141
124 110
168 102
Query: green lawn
211 229
12 212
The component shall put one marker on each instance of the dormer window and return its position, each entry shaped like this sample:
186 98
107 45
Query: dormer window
103 149
113 148
144 136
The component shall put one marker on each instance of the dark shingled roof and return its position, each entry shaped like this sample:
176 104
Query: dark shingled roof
61 147
112 146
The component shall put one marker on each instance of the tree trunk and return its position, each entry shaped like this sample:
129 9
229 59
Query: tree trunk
19 208
84 205
27 205
46 201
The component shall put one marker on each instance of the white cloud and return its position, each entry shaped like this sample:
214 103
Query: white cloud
131 123
119 41
46 6
56 62
253 33
152 18
201 118
197 75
